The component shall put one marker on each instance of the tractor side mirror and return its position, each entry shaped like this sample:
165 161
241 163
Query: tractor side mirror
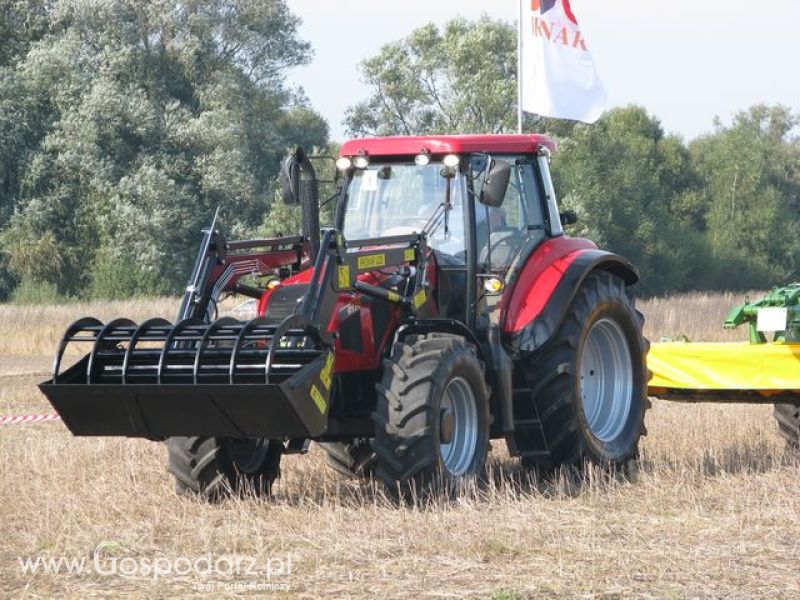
299 186
298 179
495 185
290 179
568 217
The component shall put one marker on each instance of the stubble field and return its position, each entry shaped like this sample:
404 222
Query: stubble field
712 509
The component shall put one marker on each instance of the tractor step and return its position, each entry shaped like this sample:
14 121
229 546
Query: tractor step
529 438
227 378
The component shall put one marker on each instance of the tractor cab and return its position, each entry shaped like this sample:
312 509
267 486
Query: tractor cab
482 205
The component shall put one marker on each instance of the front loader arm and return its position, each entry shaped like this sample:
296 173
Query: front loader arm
220 265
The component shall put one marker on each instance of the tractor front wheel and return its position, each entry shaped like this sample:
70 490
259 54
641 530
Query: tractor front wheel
432 415
213 468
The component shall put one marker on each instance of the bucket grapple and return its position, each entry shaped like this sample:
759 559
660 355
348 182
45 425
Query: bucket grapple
157 380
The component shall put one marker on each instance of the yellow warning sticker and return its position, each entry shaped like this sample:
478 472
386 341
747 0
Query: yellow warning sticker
410 255
419 298
371 261
393 297
327 371
344 277
316 396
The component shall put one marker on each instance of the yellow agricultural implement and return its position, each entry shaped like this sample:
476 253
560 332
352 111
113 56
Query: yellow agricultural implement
757 372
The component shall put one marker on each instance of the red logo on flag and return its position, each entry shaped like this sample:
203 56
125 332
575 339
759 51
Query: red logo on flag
545 5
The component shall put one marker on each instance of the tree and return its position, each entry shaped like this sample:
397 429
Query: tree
129 123
750 185
460 79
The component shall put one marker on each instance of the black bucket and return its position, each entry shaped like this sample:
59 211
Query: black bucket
226 379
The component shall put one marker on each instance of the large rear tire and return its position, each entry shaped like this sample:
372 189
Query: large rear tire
589 384
212 467
432 415
788 418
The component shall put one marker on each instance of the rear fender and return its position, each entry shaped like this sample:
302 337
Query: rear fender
544 291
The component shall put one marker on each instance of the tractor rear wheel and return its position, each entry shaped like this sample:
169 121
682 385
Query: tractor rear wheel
788 418
212 467
355 458
589 383
432 415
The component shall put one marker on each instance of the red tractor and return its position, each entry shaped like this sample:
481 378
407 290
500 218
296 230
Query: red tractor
445 308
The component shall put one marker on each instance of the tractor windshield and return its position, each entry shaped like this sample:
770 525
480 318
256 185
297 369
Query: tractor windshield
400 199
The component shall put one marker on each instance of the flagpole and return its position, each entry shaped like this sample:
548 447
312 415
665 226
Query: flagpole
519 66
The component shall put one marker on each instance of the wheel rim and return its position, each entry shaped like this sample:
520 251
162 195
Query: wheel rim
249 454
606 380
459 438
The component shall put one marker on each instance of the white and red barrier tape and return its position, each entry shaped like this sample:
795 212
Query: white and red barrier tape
24 419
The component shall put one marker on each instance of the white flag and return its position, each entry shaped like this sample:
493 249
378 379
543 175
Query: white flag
559 78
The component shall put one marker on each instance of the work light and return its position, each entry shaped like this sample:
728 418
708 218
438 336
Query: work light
451 161
423 159
361 161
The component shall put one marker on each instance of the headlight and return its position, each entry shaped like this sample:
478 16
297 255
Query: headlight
344 163
452 161
494 285
361 161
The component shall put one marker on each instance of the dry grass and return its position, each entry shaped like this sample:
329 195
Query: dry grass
36 330
697 316
711 509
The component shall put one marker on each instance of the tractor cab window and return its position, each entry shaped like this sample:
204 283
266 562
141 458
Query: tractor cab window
503 232
400 199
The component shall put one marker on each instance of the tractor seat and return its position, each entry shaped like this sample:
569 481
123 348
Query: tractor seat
505 245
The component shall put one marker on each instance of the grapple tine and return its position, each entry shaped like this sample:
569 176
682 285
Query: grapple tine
225 322
144 328
179 328
101 343
84 324
249 327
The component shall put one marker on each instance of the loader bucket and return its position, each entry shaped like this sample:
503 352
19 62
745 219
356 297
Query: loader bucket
227 378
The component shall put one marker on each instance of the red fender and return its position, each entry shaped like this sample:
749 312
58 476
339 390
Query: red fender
538 279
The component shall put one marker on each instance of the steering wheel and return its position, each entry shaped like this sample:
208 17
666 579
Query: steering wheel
406 229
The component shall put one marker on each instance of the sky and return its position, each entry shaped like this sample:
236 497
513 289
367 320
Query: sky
685 61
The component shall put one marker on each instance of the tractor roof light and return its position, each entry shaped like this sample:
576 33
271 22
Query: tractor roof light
344 163
423 159
361 161
451 161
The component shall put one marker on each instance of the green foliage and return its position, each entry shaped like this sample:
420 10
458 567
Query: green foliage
123 125
623 175
282 219
751 191
462 78
115 277
33 292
